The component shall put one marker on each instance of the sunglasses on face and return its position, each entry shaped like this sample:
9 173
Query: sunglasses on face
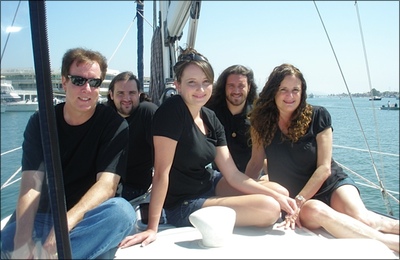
80 81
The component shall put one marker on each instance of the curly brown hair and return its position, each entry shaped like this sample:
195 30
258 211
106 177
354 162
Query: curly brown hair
265 115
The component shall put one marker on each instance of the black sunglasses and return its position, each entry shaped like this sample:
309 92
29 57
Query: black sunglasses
80 81
191 57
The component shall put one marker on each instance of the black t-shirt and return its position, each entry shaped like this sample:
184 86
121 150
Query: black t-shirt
98 145
140 162
237 134
293 164
188 177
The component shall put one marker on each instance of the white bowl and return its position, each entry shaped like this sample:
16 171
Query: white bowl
215 224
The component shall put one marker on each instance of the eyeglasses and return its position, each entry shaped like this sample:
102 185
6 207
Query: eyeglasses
80 81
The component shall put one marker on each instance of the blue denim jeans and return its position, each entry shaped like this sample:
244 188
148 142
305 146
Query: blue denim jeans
96 236
179 215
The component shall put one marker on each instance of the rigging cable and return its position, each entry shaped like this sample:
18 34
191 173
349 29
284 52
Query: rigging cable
383 190
8 35
123 37
370 184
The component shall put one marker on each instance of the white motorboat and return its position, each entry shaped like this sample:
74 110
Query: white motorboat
11 101
22 106
8 93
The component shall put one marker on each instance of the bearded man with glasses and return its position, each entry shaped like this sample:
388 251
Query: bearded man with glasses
93 145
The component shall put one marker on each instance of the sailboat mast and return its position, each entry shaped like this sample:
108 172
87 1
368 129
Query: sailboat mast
139 15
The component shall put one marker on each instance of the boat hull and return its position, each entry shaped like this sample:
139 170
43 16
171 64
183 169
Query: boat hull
22 106
389 108
375 98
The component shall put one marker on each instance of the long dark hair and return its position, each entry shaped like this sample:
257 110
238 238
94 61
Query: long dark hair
218 97
265 115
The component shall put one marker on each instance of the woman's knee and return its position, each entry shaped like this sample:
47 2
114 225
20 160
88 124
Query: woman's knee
270 209
315 210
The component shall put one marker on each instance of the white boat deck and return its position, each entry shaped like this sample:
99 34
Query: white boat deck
258 243
252 243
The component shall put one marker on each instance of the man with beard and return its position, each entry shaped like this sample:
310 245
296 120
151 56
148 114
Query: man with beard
232 99
126 97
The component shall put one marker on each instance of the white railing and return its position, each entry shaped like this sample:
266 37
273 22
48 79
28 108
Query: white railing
15 177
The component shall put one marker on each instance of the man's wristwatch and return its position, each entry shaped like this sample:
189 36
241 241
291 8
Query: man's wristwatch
300 200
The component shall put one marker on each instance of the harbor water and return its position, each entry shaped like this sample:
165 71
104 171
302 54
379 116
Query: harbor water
354 131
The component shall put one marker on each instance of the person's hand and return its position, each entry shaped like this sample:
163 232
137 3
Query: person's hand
291 220
287 204
49 250
145 238
26 251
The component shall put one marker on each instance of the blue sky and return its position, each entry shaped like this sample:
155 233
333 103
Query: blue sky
258 34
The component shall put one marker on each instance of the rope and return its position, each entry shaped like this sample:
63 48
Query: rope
126 32
123 38
371 184
10 151
8 182
384 192
8 35
364 150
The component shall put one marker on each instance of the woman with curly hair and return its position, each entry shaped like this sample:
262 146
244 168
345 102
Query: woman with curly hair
296 140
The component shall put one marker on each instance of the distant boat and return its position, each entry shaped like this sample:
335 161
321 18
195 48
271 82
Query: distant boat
383 107
12 102
22 106
375 98
8 94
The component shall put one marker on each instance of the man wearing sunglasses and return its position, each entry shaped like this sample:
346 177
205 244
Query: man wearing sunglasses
93 146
